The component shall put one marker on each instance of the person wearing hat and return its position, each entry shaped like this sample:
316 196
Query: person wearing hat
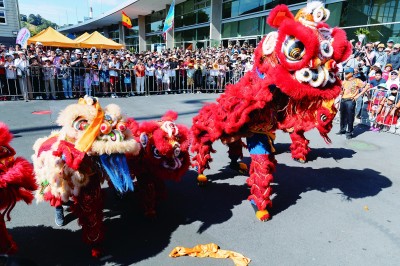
78 72
390 44
21 63
394 57
352 89
11 76
49 77
384 118
381 55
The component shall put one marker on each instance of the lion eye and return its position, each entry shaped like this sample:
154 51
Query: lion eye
80 124
293 49
156 153
323 118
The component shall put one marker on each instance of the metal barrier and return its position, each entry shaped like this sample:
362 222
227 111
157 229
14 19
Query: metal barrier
376 110
41 82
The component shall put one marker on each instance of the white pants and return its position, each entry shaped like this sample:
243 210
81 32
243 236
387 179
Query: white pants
140 85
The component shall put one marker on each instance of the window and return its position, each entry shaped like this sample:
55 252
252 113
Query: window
1 3
2 17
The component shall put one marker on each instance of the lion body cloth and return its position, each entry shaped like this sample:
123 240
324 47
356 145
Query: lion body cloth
73 162
292 87
164 155
17 182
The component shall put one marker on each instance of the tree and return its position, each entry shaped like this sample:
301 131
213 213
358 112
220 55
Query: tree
23 17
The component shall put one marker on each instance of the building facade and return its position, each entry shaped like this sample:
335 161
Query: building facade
9 21
202 23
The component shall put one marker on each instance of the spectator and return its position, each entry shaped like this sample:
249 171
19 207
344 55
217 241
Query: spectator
65 72
394 57
350 93
386 71
149 73
140 76
390 44
114 67
393 78
11 76
77 64
369 55
22 64
159 76
381 55
104 74
377 79
48 77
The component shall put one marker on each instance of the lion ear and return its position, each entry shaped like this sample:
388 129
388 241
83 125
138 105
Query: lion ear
269 43
279 14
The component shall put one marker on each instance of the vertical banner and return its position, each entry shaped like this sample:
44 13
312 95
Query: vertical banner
22 38
169 20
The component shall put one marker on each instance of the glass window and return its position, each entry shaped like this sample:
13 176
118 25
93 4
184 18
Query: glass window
189 19
2 17
230 29
188 6
2 3
249 27
250 6
203 33
203 15
230 9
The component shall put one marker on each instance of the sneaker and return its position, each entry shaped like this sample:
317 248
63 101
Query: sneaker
59 216
340 133
372 128
349 136
392 129
376 129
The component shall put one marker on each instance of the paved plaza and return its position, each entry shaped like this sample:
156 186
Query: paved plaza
340 208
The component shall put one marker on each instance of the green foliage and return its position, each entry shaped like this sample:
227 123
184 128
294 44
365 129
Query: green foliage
35 23
362 31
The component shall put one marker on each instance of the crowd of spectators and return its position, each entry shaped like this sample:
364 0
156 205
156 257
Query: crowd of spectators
379 65
40 72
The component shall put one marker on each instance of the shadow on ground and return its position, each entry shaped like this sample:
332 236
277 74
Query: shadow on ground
131 238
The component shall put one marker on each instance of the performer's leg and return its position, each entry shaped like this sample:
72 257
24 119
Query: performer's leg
88 207
299 146
7 244
262 166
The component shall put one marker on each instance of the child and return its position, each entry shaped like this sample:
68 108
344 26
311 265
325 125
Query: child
159 77
377 97
383 119
190 77
166 80
88 84
127 79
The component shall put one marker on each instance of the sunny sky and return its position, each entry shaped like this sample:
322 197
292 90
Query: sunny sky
66 11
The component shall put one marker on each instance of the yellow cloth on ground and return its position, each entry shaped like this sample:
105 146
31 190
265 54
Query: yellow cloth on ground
210 250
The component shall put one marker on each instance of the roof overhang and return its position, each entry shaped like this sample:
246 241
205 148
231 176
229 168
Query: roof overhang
132 8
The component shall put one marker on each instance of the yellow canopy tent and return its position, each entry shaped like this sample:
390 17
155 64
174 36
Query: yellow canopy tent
81 37
99 41
51 37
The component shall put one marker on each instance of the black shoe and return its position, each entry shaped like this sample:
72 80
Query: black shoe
349 136
59 216
340 133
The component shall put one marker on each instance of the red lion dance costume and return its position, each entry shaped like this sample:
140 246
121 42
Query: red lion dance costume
75 161
292 87
164 155
17 182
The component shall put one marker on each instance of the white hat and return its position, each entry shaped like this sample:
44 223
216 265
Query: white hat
378 65
20 52
392 98
77 51
127 55
38 43
45 59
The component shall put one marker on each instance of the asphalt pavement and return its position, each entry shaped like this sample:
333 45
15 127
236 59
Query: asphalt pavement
340 208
